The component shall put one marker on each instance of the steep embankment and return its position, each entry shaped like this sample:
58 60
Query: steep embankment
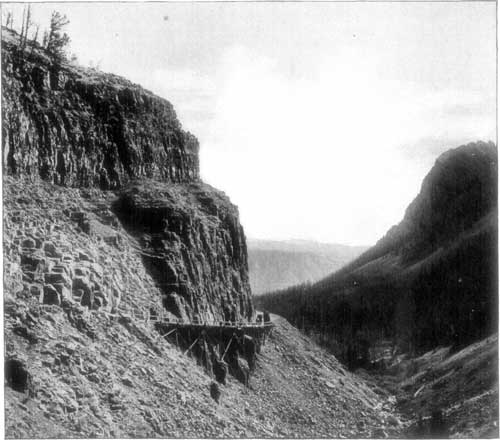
74 372
431 280
275 265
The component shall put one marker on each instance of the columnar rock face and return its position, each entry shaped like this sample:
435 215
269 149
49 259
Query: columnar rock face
63 246
193 246
80 127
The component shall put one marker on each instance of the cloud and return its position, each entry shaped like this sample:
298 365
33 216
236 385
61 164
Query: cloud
318 120
331 157
332 153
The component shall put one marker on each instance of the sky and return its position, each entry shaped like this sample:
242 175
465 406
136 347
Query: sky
318 120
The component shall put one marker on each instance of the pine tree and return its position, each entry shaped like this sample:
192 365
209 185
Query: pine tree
56 41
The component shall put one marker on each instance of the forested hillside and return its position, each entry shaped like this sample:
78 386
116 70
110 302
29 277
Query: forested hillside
431 280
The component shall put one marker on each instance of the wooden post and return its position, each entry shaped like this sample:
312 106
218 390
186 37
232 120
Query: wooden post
170 332
192 345
227 348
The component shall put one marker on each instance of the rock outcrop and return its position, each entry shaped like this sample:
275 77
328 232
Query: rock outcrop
82 128
193 246
79 128
65 246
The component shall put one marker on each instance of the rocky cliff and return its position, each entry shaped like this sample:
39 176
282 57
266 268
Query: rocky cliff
79 128
193 246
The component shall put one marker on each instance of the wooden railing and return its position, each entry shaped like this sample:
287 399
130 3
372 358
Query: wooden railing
139 314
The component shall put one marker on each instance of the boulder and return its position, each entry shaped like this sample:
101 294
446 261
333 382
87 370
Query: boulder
63 290
57 278
26 333
82 271
51 295
96 303
59 268
250 351
36 290
103 300
220 371
98 269
84 256
17 376
78 294
51 250
28 243
87 299
215 391
82 283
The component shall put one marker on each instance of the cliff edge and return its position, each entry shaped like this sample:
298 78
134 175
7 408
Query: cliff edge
83 128
80 128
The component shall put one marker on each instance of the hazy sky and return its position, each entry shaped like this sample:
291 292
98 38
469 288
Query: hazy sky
319 120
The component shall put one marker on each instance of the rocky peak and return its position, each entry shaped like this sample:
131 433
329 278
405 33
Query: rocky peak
460 189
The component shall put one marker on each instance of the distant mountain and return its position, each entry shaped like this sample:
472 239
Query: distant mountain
278 264
431 280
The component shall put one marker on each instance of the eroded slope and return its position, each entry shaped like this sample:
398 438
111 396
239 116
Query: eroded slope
90 374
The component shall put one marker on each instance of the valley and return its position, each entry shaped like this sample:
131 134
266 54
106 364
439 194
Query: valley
108 226
416 313
275 265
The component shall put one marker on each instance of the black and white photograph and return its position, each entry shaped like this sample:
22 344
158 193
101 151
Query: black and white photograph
249 219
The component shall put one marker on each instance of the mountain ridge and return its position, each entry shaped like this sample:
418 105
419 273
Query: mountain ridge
275 264
413 271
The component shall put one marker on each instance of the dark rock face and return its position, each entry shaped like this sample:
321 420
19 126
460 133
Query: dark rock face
77 127
215 392
16 375
431 280
84 128
193 246
460 189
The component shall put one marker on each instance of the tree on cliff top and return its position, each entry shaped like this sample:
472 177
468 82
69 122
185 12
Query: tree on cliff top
55 40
